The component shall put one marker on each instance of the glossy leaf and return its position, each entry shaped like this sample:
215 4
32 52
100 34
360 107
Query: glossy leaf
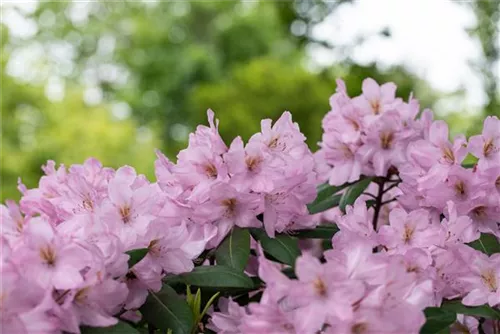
320 232
136 255
217 276
353 192
208 304
437 320
167 310
234 251
487 244
283 248
484 311
325 198
327 203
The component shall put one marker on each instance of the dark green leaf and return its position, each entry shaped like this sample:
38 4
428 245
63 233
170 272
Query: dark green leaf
166 310
217 276
353 192
323 205
320 232
326 245
484 311
120 328
324 199
207 305
289 272
283 247
235 249
136 255
487 244
437 320
371 203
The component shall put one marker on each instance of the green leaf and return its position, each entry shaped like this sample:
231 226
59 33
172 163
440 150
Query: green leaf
487 244
166 310
320 232
217 276
437 320
207 305
136 255
283 247
234 251
326 190
289 272
324 199
323 205
470 161
197 304
353 192
189 296
371 203
484 311
120 328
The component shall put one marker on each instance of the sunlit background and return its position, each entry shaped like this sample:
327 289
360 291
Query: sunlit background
115 80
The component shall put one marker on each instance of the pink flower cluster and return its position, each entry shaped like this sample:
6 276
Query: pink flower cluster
64 261
403 246
368 134
384 271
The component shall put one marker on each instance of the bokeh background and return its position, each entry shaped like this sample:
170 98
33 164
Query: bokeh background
115 80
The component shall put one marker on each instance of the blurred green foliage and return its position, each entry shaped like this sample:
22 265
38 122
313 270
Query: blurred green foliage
164 63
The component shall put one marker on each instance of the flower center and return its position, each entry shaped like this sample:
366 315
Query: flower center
408 233
81 295
87 204
211 170
347 151
497 182
375 104
386 139
488 147
412 269
230 204
359 328
489 279
252 162
448 154
125 213
479 212
320 287
19 226
273 143
48 255
460 188
354 124
154 246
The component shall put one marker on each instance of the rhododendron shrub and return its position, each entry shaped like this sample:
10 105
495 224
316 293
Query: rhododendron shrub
384 230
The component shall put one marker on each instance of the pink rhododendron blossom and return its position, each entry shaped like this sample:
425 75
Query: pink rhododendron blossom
407 230
89 244
486 147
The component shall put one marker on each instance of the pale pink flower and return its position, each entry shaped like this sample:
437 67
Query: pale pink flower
484 281
128 209
229 319
51 260
486 146
376 99
408 230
